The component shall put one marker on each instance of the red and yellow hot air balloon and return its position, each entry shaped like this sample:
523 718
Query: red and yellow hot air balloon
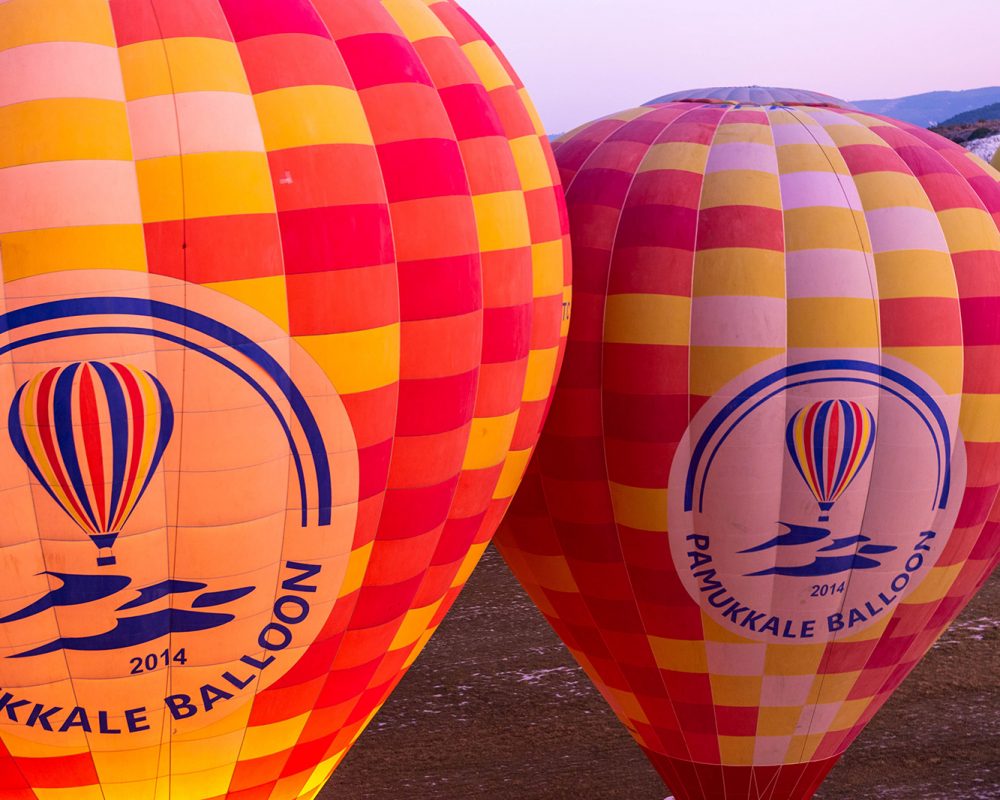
283 295
784 306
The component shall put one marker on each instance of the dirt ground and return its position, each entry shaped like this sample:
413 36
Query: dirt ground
496 708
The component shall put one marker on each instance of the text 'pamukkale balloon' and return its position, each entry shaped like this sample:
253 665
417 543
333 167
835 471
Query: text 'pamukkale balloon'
766 484
283 300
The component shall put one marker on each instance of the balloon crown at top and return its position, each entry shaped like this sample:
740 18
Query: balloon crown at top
752 95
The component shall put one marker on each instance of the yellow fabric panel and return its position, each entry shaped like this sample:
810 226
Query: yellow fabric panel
357 361
915 273
796 659
736 690
267 295
644 509
489 439
205 783
468 565
737 750
946 365
357 565
679 655
265 740
64 129
532 166
810 158
714 367
742 132
850 712
826 228
891 190
214 185
150 790
979 420
175 66
778 720
414 625
510 476
647 319
686 156
321 774
832 322
741 187
832 687
502 221
540 374
936 585
489 69
848 133
36 252
547 268
969 229
739 271
73 793
31 21
298 116
415 20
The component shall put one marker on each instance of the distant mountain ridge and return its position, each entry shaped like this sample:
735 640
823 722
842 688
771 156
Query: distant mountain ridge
990 112
932 108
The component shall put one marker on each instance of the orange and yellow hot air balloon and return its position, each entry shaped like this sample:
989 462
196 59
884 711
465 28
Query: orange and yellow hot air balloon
283 296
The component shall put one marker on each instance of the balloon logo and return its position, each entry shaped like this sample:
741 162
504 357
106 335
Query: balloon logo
93 435
829 443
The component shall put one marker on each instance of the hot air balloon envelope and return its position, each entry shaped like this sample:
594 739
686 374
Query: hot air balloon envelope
765 485
283 287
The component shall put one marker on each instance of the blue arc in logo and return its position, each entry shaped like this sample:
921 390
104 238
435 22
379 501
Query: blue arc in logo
154 309
933 419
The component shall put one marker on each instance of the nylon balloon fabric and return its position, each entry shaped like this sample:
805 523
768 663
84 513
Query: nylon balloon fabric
769 478
285 288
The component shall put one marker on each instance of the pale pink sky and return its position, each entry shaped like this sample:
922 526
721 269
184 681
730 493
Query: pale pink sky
585 58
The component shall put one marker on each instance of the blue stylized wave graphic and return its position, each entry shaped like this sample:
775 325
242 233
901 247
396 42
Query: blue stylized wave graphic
820 566
136 630
796 534
74 591
128 630
162 589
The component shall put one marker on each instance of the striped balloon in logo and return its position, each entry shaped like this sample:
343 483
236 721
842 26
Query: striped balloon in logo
829 443
93 434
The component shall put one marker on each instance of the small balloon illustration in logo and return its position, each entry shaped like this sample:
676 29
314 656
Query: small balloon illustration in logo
829 442
93 434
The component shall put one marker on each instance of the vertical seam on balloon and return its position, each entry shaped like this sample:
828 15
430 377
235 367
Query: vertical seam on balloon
9 367
171 561
251 701
34 508
399 317
974 194
719 122
600 385
152 352
65 656
338 599
873 283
